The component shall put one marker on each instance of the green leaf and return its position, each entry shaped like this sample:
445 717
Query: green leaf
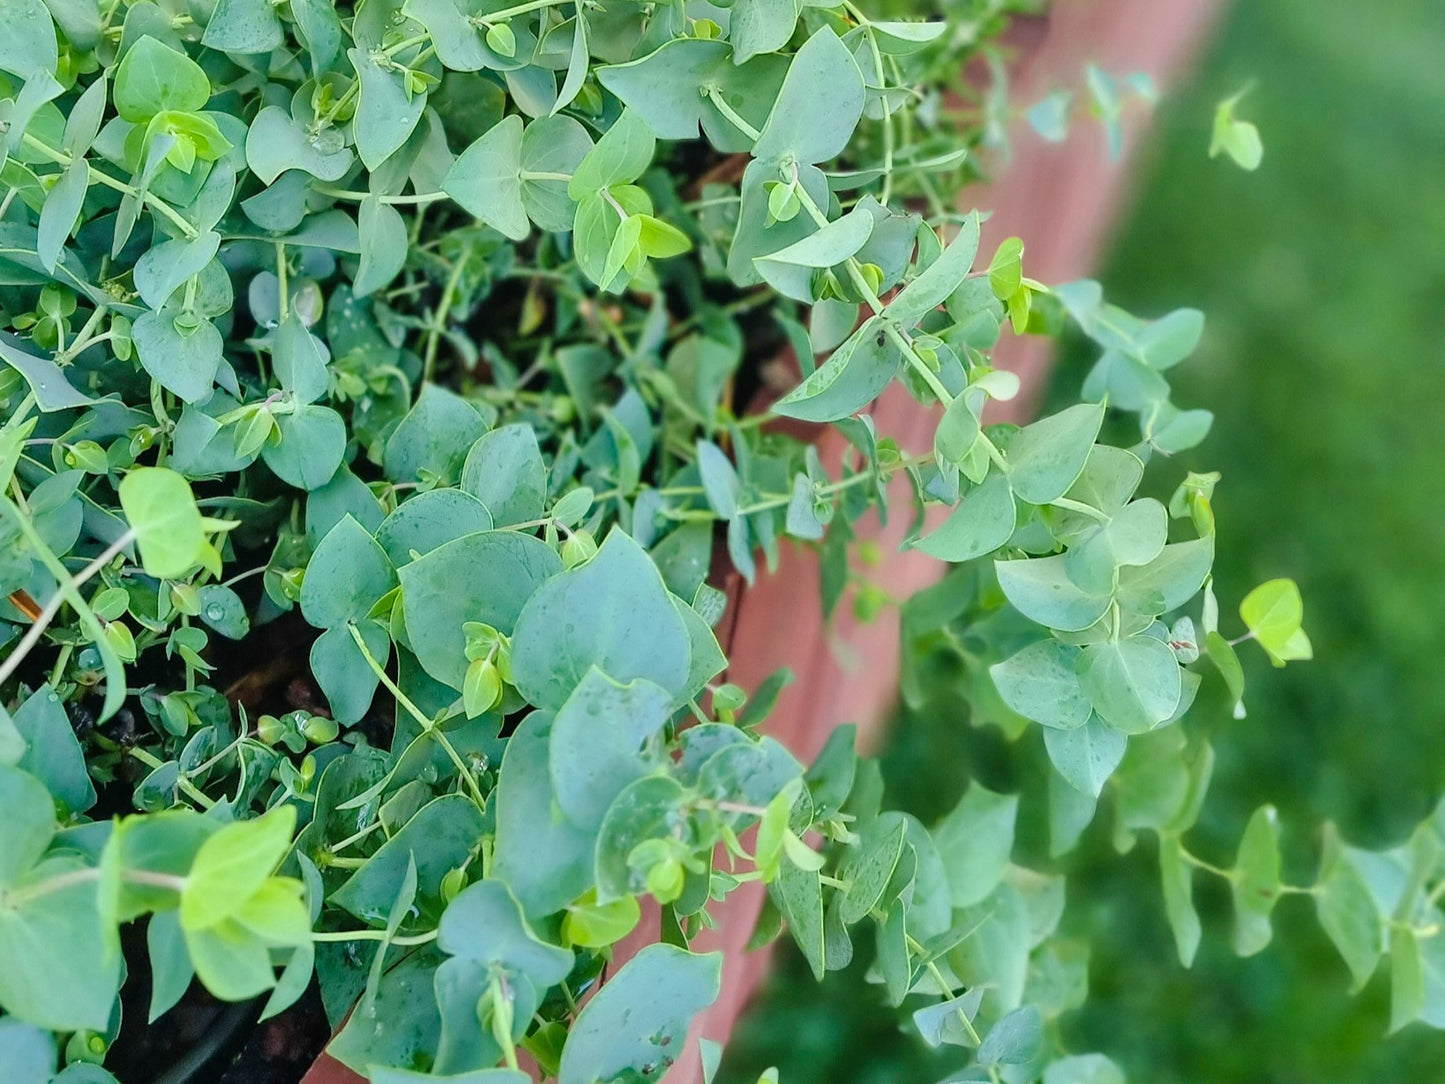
439 838
243 26
61 969
789 270
53 754
1006 269
232 865
1168 581
943 276
1086 756
1040 589
650 87
1133 683
620 157
1040 683
345 577
613 612
1237 138
345 677
551 145
311 446
719 479
643 818
943 1021
983 520
638 1015
994 950
1347 910
154 78
597 739
61 213
1178 878
46 379
1045 458
400 1024
1407 979
485 923
29 823
28 45
299 360
505 471
1273 613
1255 887
386 113
546 860
1014 1040
1167 341
1084 1069
275 143
590 924
805 125
869 865
487 576
181 350
428 521
164 269
434 437
26 1053
486 179
1050 116
168 526
1134 536
761 26
798 894
851 378
975 840
382 233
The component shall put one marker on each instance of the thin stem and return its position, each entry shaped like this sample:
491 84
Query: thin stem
1083 509
426 722
438 324
58 599
855 274
396 201
283 285
714 95
1199 863
519 9
193 792
154 202
374 935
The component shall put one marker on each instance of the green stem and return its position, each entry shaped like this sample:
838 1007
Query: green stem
397 201
1083 509
155 203
438 324
283 283
374 935
520 9
190 789
714 95
855 274
427 723
68 591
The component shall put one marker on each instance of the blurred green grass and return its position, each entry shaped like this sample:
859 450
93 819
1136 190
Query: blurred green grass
1323 279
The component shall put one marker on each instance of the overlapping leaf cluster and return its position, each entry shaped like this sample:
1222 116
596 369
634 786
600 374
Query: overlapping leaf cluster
430 326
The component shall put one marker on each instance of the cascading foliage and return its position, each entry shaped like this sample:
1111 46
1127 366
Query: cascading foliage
420 336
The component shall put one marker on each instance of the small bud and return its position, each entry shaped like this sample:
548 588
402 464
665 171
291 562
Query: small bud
579 547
